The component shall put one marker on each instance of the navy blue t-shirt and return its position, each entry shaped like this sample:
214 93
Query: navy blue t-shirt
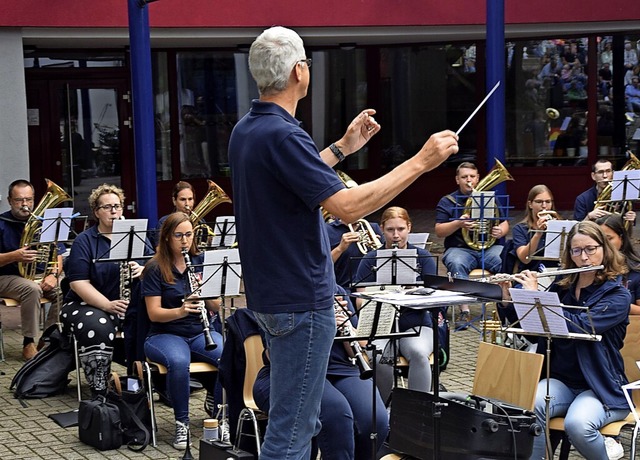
633 284
10 234
585 202
279 181
409 317
521 237
172 296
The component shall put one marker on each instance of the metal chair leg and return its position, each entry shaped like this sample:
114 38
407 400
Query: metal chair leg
152 405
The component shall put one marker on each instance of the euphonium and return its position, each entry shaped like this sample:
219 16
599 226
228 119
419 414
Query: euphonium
480 237
215 196
604 197
47 252
548 214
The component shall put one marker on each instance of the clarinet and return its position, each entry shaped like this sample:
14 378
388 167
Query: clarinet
125 282
354 350
194 285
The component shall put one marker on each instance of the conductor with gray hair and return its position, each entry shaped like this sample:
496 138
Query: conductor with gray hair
280 179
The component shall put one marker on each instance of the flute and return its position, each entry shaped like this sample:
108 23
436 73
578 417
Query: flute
500 277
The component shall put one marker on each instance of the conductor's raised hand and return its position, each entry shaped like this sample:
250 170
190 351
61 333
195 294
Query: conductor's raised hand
360 131
437 149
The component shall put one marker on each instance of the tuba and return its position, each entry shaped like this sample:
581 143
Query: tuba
215 196
47 253
368 240
480 237
604 197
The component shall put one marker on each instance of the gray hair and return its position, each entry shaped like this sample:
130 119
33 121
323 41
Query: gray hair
272 57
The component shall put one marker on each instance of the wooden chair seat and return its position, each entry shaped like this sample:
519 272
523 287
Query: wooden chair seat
194 368
478 273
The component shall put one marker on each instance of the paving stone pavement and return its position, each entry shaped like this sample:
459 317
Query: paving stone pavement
27 433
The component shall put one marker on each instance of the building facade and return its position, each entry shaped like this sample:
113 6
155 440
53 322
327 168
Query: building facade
65 85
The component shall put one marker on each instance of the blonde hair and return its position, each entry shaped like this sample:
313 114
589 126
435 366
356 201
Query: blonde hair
104 189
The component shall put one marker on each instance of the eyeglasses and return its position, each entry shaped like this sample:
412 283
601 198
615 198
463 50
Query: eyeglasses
22 200
306 61
179 235
603 172
543 201
588 250
110 207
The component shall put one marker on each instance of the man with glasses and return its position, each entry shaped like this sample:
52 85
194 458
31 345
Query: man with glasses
602 174
280 179
12 284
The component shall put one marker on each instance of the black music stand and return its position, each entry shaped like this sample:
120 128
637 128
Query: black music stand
625 189
224 232
222 273
540 314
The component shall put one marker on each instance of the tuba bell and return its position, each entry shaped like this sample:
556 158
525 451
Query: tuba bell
603 200
480 237
47 253
214 197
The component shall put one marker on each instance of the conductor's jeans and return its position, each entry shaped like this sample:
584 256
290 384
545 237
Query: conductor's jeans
299 345
584 414
28 294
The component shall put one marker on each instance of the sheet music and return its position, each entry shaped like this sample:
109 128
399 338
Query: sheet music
385 321
418 239
524 303
555 229
214 269
120 239
224 231
405 263
632 190
50 225
483 205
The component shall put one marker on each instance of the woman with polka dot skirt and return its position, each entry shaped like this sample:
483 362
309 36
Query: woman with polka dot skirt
93 308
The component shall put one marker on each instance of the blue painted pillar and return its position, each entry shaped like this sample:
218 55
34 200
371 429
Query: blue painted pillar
496 73
142 98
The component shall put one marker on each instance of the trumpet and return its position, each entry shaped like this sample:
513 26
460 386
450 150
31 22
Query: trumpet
368 239
501 277
194 285
354 350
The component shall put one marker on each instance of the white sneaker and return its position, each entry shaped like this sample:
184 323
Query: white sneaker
224 431
614 448
182 436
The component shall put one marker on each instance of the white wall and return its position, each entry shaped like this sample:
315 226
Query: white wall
14 148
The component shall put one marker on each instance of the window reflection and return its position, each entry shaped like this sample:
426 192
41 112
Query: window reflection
207 110
162 115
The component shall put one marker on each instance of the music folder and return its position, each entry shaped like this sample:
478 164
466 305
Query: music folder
472 288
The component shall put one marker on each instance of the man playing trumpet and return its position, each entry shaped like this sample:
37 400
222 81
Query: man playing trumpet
12 284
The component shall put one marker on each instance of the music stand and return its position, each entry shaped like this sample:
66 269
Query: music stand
221 276
224 232
540 314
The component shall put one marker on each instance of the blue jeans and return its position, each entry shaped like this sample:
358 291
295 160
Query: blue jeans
299 346
460 261
176 353
583 415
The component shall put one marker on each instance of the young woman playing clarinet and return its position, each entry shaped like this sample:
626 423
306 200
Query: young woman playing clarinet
585 376
180 330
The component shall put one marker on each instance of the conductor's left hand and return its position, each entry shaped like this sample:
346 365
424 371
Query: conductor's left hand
360 130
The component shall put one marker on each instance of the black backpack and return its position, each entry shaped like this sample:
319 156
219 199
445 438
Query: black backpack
46 374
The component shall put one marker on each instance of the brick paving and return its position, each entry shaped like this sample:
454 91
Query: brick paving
27 433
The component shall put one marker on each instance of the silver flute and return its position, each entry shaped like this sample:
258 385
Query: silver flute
500 277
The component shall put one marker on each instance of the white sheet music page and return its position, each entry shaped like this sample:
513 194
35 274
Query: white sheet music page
121 235
483 205
224 231
618 190
214 269
401 261
385 322
50 225
418 239
555 230
524 302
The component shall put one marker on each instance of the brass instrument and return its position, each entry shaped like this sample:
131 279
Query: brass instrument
368 240
479 237
47 252
500 277
548 215
194 285
490 328
552 113
203 232
604 197
354 350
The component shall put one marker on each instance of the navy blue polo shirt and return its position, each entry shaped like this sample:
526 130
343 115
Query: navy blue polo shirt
521 237
10 234
172 296
585 202
279 181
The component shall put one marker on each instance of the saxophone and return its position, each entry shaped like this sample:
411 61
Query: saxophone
47 252
194 286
